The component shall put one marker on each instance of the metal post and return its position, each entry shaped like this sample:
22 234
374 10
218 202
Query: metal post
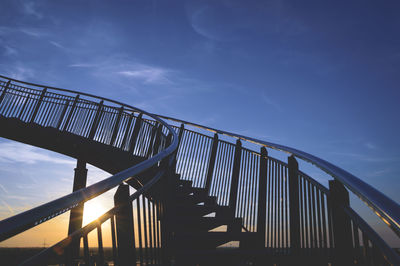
76 214
135 132
153 132
71 111
96 120
37 106
262 198
294 204
211 162
127 128
116 126
157 141
235 178
4 91
62 114
124 227
166 212
338 199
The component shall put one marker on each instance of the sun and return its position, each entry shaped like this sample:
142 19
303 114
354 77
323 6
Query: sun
92 210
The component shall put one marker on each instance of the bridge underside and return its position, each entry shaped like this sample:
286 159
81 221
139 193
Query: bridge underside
105 157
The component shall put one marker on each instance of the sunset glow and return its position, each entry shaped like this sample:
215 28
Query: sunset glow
92 211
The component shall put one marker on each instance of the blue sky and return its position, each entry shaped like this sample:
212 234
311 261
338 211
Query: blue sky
320 76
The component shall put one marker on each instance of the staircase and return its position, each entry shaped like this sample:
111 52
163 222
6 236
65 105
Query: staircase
200 198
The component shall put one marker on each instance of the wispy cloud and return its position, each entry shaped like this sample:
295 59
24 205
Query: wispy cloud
34 32
7 206
370 145
21 153
9 51
4 189
379 172
29 8
367 158
268 100
147 74
83 65
119 66
17 70
58 45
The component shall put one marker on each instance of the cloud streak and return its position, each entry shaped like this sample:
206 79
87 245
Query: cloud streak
29 8
366 158
21 153
126 68
270 102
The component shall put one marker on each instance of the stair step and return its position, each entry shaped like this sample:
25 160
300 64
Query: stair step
191 190
196 198
205 223
185 183
208 240
192 200
184 210
256 256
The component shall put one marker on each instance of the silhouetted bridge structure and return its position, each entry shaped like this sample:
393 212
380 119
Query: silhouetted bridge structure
190 180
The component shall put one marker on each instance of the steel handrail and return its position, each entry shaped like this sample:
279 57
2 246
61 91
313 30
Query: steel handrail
28 219
387 209
80 93
93 224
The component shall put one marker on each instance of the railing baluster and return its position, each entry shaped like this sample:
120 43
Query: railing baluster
116 126
37 106
145 229
319 219
128 127
96 120
86 252
302 223
100 245
113 240
23 108
314 227
135 133
139 226
3 93
150 225
71 111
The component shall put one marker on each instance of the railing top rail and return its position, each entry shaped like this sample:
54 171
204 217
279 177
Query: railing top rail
30 218
80 93
384 207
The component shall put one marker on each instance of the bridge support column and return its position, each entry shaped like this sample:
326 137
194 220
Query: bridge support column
294 204
339 198
124 226
76 214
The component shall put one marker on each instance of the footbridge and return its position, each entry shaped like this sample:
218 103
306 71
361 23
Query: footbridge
197 189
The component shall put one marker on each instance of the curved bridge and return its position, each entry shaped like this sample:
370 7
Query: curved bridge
194 191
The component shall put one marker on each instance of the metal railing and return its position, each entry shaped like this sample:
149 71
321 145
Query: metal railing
287 211
262 198
105 121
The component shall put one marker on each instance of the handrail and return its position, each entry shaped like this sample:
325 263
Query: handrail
35 216
92 225
82 93
383 206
